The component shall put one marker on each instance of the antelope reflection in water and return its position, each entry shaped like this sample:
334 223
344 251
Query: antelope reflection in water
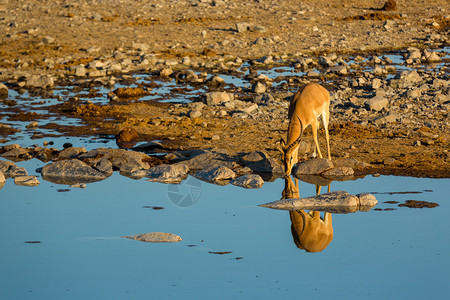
310 232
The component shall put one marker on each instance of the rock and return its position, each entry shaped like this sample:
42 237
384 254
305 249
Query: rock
166 72
242 27
124 160
155 237
338 171
6 165
325 61
167 173
259 88
16 152
215 173
215 98
26 180
340 69
70 172
252 157
72 152
376 103
389 5
263 99
411 76
389 118
2 178
126 137
376 83
10 170
80 71
313 166
432 57
32 125
40 81
216 81
334 202
199 160
78 186
104 166
3 91
194 113
252 181
266 165
48 40
250 108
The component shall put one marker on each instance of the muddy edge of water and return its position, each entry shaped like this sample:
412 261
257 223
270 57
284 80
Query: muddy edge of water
44 38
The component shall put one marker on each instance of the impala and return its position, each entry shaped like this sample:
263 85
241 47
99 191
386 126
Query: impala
307 105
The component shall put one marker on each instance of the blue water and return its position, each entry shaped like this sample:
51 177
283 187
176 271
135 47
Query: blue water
400 254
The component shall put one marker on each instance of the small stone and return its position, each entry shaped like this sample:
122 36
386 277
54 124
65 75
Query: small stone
48 40
215 137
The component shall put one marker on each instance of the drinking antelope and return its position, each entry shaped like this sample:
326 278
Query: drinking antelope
307 105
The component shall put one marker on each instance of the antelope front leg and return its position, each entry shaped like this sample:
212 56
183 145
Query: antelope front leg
315 129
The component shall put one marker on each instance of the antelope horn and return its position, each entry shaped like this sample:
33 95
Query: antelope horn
279 146
297 141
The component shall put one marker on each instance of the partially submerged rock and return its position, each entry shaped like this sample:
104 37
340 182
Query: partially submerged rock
334 202
251 181
215 174
26 180
10 170
70 172
167 173
155 237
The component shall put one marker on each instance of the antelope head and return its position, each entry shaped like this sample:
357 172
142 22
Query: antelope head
289 153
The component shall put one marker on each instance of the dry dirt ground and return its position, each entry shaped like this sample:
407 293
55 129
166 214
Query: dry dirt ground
83 30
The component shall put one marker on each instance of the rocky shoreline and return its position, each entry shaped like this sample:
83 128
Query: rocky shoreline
391 117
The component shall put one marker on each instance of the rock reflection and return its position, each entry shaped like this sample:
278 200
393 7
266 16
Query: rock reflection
309 231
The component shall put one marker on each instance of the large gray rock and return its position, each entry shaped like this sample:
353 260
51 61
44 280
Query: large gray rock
252 181
266 164
155 237
313 167
70 172
215 174
334 202
376 103
338 171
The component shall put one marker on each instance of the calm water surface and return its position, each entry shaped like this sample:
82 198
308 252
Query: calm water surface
398 254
